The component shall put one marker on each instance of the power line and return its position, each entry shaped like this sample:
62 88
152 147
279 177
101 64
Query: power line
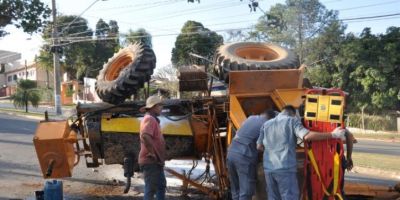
370 5
191 11
351 20
137 5
371 17
88 39
368 20
196 10
94 2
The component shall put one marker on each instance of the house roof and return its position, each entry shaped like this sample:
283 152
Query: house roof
8 56
22 68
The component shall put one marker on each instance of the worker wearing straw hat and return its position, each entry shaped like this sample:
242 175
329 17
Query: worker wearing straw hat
152 150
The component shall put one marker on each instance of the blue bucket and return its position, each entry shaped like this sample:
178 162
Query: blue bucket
53 190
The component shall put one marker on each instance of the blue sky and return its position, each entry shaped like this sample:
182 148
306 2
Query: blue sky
164 19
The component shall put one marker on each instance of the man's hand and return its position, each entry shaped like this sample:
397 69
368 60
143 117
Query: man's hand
260 147
339 133
349 164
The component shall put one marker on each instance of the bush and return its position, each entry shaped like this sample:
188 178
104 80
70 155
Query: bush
372 122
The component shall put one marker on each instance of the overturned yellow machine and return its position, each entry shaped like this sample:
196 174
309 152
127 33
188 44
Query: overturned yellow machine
258 76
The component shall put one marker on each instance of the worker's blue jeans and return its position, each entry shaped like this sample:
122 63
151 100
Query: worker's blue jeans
154 181
282 186
242 177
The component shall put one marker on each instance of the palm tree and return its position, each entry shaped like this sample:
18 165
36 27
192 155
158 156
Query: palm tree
45 62
26 92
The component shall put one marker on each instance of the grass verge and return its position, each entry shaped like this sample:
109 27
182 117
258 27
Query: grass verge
22 112
377 161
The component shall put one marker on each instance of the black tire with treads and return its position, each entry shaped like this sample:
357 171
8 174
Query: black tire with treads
252 56
130 78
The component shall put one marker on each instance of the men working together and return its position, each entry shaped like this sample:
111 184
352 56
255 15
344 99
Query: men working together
274 134
278 140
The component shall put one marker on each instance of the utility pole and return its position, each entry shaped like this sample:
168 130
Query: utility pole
26 70
56 61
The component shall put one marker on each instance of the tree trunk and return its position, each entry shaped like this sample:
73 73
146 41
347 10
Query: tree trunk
26 101
47 79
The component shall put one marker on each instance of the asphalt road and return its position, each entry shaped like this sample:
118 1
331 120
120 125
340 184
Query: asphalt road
379 147
20 173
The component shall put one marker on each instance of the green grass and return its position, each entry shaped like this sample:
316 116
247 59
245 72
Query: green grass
377 161
378 136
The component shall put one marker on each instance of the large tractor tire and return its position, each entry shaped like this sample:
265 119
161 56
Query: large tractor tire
125 73
252 56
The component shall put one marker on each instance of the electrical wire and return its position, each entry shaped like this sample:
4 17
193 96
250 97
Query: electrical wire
370 5
371 17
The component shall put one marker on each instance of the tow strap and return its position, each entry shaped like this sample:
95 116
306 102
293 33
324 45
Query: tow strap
336 171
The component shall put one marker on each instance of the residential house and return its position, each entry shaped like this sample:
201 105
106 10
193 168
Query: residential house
14 70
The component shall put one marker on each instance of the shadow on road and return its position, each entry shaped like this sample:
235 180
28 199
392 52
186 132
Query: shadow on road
16 142
17 126
7 167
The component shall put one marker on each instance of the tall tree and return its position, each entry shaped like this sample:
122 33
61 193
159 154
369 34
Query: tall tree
76 44
30 15
105 45
365 66
194 38
324 49
140 35
373 69
45 62
294 23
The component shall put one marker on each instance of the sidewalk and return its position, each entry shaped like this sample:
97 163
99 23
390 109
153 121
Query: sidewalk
7 107
376 172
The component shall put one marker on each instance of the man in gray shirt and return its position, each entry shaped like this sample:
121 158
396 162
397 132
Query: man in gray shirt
278 141
242 156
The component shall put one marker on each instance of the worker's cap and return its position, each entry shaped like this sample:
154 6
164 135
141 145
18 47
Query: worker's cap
152 101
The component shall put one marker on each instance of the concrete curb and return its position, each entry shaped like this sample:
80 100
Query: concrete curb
31 116
376 172
380 140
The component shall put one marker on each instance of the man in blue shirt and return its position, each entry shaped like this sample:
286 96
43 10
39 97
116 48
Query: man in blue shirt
242 156
278 140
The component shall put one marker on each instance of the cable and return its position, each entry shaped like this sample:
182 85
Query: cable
172 29
77 17
368 20
179 14
370 5
135 5
371 17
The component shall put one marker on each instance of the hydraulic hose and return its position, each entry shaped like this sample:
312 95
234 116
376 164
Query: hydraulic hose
127 185
128 172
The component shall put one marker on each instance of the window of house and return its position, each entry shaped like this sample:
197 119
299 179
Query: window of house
9 78
15 77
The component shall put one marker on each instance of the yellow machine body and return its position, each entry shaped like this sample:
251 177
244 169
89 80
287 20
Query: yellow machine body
132 125
54 148
252 92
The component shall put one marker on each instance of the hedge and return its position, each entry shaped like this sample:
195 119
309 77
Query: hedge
373 122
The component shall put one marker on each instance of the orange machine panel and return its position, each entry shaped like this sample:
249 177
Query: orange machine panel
54 148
